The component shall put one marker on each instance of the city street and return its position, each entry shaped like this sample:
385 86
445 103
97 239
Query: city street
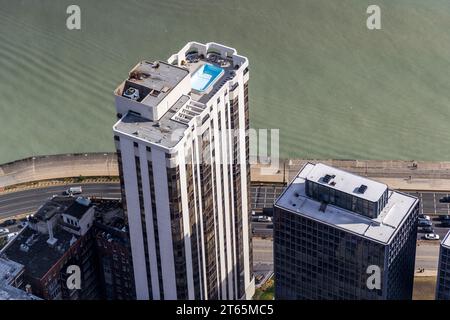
29 200
263 196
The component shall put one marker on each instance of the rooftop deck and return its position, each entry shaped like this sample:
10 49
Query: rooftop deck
168 130
154 80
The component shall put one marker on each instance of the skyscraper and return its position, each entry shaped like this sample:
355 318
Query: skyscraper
443 278
183 161
336 234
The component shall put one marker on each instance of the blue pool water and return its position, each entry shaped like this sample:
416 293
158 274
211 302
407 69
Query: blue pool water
205 76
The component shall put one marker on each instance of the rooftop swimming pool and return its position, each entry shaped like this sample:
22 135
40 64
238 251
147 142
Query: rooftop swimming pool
205 76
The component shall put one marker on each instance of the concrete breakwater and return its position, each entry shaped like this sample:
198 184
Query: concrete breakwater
406 175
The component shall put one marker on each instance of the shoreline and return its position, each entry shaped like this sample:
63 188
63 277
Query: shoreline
397 174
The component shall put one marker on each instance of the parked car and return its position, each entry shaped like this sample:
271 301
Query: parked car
8 222
431 236
425 223
12 235
445 199
427 230
445 224
264 219
425 217
4 231
444 217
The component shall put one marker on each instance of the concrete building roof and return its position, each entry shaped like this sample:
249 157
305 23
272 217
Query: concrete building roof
154 83
169 129
9 270
166 131
347 182
380 229
8 292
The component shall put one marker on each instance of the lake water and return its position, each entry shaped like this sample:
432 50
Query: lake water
332 87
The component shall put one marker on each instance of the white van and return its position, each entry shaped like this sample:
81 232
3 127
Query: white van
74 190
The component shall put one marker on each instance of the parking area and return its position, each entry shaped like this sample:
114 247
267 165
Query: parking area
429 203
264 195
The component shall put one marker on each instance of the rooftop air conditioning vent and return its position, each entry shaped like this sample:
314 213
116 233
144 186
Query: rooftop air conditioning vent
131 93
362 188
327 178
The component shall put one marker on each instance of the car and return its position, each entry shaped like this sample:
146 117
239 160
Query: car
425 223
4 231
427 230
445 224
445 199
264 219
9 222
431 236
425 217
444 217
73 190
12 235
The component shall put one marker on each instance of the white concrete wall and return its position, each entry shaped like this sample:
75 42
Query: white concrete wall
164 224
134 218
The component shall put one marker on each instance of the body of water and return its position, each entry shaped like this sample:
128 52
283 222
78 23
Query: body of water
332 87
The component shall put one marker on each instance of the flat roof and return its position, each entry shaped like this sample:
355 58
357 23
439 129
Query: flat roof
9 269
446 241
8 292
159 76
347 182
40 256
165 131
380 229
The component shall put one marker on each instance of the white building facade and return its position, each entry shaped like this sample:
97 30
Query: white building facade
184 165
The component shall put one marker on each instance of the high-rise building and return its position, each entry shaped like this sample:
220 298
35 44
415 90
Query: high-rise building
342 236
443 279
184 165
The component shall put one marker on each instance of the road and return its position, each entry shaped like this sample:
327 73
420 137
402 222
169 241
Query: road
29 200
263 196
